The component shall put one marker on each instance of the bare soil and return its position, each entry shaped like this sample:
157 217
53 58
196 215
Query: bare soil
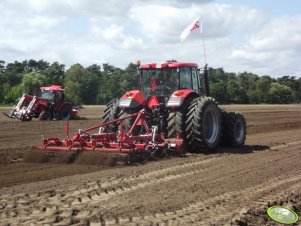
232 186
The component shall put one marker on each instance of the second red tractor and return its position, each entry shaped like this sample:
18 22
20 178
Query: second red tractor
50 105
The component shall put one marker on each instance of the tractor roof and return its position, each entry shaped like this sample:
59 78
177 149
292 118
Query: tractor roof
168 65
52 88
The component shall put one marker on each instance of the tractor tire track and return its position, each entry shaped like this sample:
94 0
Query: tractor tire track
77 205
219 204
54 206
220 208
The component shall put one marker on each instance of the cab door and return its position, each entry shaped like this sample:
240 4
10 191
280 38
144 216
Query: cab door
195 80
185 78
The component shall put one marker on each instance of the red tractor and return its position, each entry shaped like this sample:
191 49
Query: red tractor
51 105
171 112
185 107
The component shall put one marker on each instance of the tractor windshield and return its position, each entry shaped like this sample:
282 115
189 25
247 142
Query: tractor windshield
47 95
159 82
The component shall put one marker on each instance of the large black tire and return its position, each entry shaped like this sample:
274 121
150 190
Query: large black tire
203 125
47 115
112 112
65 112
234 129
176 119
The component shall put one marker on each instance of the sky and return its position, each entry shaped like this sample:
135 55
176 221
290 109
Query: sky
258 36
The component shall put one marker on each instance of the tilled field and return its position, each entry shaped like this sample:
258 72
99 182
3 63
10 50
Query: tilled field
228 187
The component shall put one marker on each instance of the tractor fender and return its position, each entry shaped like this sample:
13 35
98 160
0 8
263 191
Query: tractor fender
64 104
178 97
132 99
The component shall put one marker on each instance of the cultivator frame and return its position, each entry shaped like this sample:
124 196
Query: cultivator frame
149 144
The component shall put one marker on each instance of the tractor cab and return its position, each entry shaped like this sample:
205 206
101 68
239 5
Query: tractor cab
162 80
55 94
168 83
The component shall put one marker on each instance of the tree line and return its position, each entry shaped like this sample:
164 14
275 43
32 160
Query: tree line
249 88
98 85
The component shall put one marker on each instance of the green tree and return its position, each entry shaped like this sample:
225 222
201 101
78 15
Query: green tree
294 84
55 74
253 96
32 82
219 91
236 93
13 94
72 82
95 69
263 85
280 94
82 84
89 86
247 80
2 66
13 73
110 84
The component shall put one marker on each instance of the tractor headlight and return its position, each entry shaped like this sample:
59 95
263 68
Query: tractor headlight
125 102
175 102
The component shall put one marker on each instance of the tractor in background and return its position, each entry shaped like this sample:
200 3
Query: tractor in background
50 105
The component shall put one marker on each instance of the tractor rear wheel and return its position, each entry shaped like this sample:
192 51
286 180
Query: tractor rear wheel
234 129
203 124
111 112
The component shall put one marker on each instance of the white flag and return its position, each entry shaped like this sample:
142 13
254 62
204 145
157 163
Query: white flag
196 24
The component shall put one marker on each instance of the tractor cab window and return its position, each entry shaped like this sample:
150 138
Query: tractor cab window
195 81
185 78
149 81
47 95
158 82
59 97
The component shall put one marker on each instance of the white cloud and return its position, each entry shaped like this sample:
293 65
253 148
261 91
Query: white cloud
43 22
276 48
118 32
112 32
164 23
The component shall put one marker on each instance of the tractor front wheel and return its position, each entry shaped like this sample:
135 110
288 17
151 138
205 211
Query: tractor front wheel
46 115
65 112
176 119
24 119
111 112
127 123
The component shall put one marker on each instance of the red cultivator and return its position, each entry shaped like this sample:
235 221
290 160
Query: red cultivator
148 144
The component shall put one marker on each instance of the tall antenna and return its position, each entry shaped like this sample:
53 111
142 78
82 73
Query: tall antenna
201 29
